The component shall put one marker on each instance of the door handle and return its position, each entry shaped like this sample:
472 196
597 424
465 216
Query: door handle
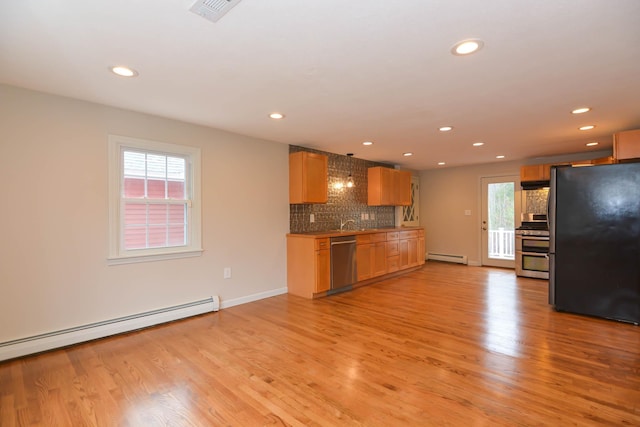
484 228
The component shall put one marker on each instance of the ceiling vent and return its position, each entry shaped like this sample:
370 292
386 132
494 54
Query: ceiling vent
213 9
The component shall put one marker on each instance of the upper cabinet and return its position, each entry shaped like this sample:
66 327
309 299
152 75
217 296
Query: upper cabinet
626 145
534 173
600 161
537 176
308 178
388 187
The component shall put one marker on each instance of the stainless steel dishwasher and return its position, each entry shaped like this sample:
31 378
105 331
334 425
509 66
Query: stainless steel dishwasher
343 263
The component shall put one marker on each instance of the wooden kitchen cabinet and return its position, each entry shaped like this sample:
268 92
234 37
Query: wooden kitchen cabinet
363 259
308 266
600 161
378 254
403 188
408 248
529 173
323 270
308 178
371 254
603 161
388 187
422 254
626 145
379 187
378 259
393 252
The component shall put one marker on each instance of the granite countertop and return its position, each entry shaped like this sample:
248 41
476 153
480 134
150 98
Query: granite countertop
333 233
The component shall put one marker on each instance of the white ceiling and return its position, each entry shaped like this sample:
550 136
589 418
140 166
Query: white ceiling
348 71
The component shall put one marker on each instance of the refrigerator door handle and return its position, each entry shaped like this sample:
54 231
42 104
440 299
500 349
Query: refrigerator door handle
552 280
551 222
551 211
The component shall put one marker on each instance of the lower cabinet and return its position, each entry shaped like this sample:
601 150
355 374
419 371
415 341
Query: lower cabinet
408 246
363 257
379 259
377 254
393 252
308 265
371 254
323 270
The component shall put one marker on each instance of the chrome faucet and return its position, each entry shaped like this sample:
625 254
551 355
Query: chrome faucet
342 224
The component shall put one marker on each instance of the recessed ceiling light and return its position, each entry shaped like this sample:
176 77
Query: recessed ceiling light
445 128
500 157
478 144
588 127
591 144
441 163
407 154
367 143
123 71
581 110
276 116
465 47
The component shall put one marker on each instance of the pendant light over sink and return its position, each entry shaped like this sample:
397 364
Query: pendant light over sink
350 183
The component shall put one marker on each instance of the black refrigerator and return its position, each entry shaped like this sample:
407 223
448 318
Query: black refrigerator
594 246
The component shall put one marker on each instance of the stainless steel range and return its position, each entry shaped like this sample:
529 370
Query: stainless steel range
532 247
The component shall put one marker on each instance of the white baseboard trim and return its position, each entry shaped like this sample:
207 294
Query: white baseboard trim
458 259
62 338
254 297
65 337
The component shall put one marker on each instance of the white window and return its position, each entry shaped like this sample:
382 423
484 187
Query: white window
154 200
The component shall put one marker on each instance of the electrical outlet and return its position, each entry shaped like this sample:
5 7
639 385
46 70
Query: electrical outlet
372 216
362 216
312 218
227 273
366 216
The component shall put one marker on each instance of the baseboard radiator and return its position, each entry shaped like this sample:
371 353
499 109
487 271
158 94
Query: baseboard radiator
65 337
459 259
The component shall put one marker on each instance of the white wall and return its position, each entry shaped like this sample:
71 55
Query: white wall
54 216
446 193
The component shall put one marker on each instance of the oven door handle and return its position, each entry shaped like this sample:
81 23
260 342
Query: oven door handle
541 238
537 254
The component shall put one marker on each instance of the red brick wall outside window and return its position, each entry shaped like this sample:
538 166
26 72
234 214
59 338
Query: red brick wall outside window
155 200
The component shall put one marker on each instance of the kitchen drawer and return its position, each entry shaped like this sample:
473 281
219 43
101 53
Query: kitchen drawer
322 243
378 237
413 234
392 248
363 239
393 263
392 235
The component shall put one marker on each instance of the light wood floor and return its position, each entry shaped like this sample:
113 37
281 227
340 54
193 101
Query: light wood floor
445 345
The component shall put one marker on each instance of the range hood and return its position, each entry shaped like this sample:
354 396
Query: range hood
534 185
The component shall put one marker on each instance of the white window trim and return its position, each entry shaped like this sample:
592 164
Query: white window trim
194 246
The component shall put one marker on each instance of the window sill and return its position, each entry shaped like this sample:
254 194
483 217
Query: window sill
132 259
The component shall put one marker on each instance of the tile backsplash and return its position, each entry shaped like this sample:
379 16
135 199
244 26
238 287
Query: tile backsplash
536 201
343 203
